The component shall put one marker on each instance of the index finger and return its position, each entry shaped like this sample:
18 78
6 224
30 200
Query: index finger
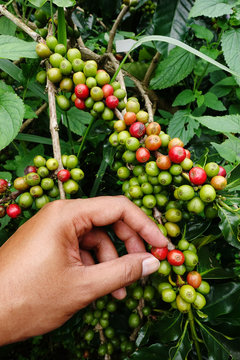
106 210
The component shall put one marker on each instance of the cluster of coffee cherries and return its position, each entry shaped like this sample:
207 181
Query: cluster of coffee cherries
39 184
185 286
168 180
92 91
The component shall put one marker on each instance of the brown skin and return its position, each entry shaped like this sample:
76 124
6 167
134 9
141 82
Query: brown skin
47 272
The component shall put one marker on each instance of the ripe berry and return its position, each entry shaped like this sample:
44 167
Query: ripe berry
3 185
153 142
222 171
63 175
153 129
175 142
112 102
13 211
175 257
159 253
188 154
177 154
137 129
107 90
142 155
129 117
81 91
194 279
80 104
163 162
30 169
197 175
219 182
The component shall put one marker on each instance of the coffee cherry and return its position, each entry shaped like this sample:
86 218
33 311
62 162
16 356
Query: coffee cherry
142 155
77 174
159 253
188 154
207 193
3 186
173 215
137 129
132 106
41 77
162 286
55 60
70 187
2 211
79 78
123 172
153 129
120 94
54 192
33 179
63 102
47 184
81 91
112 102
204 288
186 164
219 182
212 169
182 305
36 191
163 162
199 302
39 161
177 154
185 192
222 171
54 75
102 78
43 171
153 142
164 268
188 293
180 269
25 200
72 161
43 50
52 164
197 175
51 42
13 211
161 200
66 84
134 320
109 332
191 259
195 205
175 142
165 178
107 90
80 104
194 279
175 257
73 54
168 295
20 183
29 169
148 293
129 118
210 212
60 49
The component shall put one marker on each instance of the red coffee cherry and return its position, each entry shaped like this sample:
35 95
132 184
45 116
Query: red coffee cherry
63 175
30 169
107 90
222 171
80 104
159 253
81 91
13 211
188 154
3 186
219 182
129 117
137 129
177 154
194 279
153 128
163 162
175 257
112 102
142 155
197 175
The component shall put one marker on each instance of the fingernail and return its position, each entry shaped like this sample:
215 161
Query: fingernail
120 293
150 265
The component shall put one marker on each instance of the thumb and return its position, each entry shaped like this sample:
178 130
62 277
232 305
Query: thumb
104 278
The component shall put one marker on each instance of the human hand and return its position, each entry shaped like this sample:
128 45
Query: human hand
47 272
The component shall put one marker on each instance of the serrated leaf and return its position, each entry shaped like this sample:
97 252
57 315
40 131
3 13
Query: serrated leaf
64 3
231 49
229 225
229 149
210 8
201 32
78 120
13 48
29 113
5 87
183 347
182 125
7 27
213 341
175 68
226 123
212 102
223 87
11 117
37 3
184 98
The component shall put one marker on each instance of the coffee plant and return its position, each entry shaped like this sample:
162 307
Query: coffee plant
139 98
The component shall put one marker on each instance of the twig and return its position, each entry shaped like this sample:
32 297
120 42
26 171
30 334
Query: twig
11 196
145 96
118 114
151 68
114 28
20 24
28 121
157 215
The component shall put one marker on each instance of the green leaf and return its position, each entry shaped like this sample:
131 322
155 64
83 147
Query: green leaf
229 149
4 222
213 341
210 8
29 113
223 87
196 228
175 68
7 27
226 123
37 3
153 352
13 48
137 69
11 117
184 98
34 138
77 120
221 299
201 32
230 226
208 266
5 87
212 102
168 327
184 345
5 175
64 3
231 48
182 125
62 27
233 179
172 21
